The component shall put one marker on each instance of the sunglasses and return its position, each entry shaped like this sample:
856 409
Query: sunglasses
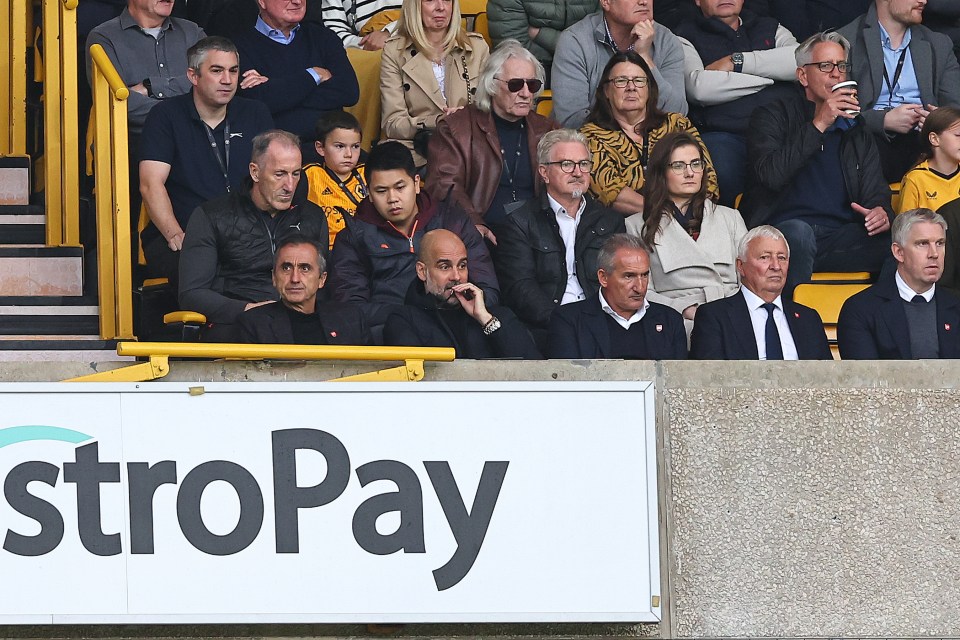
516 84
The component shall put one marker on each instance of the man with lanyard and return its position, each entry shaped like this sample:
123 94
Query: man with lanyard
196 147
903 70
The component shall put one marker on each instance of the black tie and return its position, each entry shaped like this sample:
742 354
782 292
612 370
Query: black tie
771 335
917 299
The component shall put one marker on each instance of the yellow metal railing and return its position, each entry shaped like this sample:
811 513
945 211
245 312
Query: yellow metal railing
14 39
159 353
112 184
60 127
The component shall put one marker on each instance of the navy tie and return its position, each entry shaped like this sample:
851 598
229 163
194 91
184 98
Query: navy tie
917 299
771 335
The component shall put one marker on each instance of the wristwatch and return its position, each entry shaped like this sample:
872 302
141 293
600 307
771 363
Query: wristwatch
737 61
492 325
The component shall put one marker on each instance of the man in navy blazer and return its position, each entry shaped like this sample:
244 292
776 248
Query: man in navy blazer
618 322
299 272
905 317
756 323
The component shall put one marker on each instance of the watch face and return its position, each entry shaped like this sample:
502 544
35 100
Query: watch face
737 58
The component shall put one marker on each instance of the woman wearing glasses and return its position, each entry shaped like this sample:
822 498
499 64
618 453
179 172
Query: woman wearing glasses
624 127
693 241
484 157
429 70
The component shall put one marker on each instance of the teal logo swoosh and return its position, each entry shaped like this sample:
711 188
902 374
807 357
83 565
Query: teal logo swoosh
29 432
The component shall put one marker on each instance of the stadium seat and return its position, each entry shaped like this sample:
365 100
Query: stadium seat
827 299
482 26
895 196
840 277
545 103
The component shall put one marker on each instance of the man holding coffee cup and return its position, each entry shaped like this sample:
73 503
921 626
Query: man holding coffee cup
905 70
814 171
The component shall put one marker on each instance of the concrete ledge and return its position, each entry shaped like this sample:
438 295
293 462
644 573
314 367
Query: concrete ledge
797 499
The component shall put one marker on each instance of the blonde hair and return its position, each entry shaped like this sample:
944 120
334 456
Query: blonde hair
410 26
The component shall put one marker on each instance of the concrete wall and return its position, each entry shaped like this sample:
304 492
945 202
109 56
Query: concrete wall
797 499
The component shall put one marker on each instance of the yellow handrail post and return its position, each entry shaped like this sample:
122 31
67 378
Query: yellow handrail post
13 78
113 198
52 135
123 271
69 124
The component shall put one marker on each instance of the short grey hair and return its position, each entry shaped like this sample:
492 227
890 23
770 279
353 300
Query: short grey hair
900 231
804 52
763 231
198 52
613 244
487 82
302 240
552 138
263 141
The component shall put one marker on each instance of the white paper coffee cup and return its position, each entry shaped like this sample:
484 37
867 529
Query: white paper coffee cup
851 84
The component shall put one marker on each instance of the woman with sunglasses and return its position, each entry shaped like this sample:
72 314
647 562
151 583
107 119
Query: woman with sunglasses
624 127
484 156
693 241
429 69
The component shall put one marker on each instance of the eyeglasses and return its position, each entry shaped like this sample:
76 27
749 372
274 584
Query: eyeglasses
515 84
567 165
679 167
828 67
620 82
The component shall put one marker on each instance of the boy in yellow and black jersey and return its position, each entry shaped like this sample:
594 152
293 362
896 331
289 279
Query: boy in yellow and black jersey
338 185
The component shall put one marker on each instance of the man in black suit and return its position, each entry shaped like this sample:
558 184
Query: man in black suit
299 272
906 316
619 321
757 323
444 309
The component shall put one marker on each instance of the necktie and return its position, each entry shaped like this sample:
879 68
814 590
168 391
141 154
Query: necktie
917 299
771 336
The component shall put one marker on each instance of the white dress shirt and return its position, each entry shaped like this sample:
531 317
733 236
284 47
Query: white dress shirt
568 233
758 318
626 323
907 293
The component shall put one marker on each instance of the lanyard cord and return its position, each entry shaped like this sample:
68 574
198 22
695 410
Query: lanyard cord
896 74
224 168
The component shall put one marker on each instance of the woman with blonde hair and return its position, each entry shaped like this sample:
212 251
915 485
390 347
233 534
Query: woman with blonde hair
429 69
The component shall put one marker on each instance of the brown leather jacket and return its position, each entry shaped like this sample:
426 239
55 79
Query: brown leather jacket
465 158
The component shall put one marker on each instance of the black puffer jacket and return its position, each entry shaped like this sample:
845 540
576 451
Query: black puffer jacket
531 258
782 139
228 249
373 264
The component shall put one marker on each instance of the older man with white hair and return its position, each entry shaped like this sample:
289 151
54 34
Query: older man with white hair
484 156
757 322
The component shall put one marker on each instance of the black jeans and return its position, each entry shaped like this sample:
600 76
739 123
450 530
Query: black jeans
844 248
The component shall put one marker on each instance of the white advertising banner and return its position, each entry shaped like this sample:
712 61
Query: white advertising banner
328 502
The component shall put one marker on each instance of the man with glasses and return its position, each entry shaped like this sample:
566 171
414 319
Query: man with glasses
814 170
734 61
904 70
482 157
584 49
547 253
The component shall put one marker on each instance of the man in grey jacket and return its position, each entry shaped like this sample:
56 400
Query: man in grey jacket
904 70
584 49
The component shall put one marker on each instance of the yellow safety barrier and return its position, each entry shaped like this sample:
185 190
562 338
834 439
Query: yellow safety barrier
61 135
14 39
113 197
159 354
